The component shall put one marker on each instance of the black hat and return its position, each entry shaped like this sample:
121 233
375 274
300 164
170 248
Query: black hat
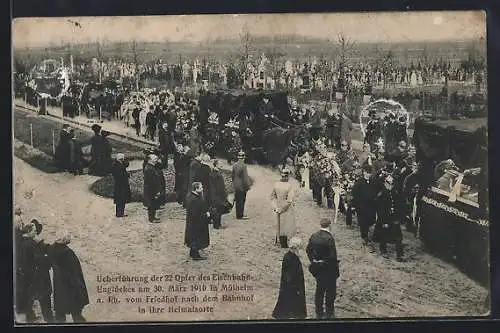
96 128
38 226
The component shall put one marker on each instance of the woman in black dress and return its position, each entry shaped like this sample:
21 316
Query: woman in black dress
292 298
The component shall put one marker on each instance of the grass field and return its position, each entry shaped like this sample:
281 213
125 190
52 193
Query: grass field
43 129
104 186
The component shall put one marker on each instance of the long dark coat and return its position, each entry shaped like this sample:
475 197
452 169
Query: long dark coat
70 290
181 164
197 235
387 214
292 298
152 185
364 196
77 161
101 161
33 279
217 190
63 151
121 193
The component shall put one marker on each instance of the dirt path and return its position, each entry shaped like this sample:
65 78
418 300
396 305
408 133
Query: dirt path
370 286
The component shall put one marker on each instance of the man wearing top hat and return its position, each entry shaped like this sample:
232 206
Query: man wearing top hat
364 193
241 184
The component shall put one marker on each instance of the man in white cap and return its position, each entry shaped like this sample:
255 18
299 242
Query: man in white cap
241 184
282 198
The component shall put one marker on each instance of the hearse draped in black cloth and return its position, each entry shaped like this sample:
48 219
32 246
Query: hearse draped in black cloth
453 205
261 118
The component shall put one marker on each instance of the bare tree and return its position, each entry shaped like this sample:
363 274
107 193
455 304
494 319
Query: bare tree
135 56
345 48
99 59
246 50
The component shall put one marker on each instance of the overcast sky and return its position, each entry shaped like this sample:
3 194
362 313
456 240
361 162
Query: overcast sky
395 27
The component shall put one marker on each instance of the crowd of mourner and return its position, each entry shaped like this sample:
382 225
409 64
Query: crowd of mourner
377 185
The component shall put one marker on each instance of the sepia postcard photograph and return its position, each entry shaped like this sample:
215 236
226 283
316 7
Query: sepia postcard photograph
249 167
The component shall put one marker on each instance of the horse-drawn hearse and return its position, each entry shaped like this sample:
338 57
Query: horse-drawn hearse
261 118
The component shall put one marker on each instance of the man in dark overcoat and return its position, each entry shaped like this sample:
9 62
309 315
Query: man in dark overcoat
76 155
322 254
70 290
135 115
35 281
197 235
151 123
314 124
364 193
121 191
62 153
152 187
387 227
96 151
333 123
373 130
241 184
218 202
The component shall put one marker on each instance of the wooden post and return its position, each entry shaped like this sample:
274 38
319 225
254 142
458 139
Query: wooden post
31 134
100 114
53 142
25 98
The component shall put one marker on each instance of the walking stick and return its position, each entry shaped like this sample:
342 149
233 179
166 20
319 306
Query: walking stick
278 225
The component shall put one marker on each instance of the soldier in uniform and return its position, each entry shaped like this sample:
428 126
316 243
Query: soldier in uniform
388 228
283 200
